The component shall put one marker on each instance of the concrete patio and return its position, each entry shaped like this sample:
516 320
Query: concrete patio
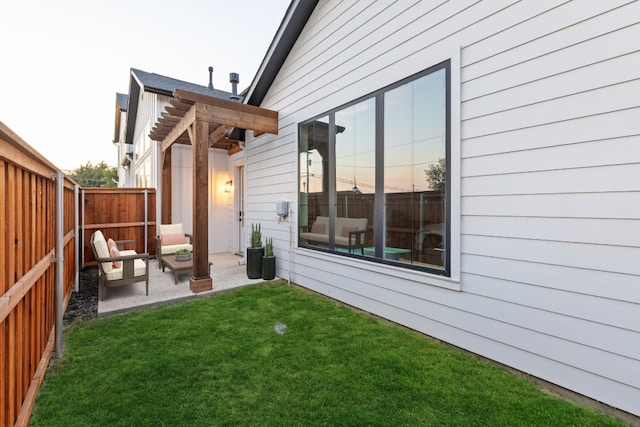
226 273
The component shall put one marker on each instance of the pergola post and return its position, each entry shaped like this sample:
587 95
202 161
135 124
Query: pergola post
166 186
201 280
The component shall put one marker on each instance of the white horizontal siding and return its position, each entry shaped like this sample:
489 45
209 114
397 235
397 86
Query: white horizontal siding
613 232
596 179
549 152
621 123
611 205
545 36
617 70
619 287
585 104
617 151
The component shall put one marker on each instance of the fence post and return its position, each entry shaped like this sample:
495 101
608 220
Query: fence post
81 245
59 258
76 234
146 220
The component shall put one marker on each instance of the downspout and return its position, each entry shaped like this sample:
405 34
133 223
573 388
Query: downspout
243 144
59 260
76 234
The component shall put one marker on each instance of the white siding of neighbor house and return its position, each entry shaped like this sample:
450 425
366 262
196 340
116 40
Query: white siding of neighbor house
549 195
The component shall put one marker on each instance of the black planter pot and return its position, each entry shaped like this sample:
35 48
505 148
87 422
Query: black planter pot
254 262
268 267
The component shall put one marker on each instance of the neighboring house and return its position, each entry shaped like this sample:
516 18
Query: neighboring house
140 157
493 149
120 126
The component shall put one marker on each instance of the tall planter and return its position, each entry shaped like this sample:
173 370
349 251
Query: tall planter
254 262
268 267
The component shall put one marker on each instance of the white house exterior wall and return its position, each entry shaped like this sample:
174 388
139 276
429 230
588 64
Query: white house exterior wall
549 278
122 172
220 203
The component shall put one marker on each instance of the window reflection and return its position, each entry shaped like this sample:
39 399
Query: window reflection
314 180
355 176
378 190
414 153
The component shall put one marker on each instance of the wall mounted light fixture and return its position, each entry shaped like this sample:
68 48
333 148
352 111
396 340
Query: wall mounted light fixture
228 186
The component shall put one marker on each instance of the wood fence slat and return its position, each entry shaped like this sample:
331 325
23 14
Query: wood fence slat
19 345
11 368
4 278
33 200
19 242
32 325
11 226
4 369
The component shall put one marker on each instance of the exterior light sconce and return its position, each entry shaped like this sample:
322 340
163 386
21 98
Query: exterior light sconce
228 186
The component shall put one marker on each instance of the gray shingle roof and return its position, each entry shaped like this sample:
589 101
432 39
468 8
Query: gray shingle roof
122 100
166 85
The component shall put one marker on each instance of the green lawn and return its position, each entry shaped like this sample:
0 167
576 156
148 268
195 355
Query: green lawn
218 361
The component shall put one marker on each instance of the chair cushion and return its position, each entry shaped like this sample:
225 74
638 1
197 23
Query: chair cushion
102 250
99 235
169 229
318 228
169 239
347 229
172 249
139 269
114 252
111 244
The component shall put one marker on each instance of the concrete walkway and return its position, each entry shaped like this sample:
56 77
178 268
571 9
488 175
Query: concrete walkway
225 272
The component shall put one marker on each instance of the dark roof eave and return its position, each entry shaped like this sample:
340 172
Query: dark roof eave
132 108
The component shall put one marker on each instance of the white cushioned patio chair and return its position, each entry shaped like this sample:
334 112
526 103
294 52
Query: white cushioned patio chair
118 266
170 239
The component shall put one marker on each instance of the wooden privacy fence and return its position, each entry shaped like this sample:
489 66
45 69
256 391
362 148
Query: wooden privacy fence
38 270
120 213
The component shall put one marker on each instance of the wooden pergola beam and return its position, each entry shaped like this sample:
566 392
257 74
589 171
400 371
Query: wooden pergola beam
218 134
180 128
178 105
230 113
237 119
234 149
174 111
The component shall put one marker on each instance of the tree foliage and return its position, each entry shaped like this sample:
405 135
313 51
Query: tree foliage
99 175
436 175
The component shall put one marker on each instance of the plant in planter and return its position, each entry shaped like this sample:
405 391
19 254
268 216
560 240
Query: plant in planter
183 255
268 261
255 253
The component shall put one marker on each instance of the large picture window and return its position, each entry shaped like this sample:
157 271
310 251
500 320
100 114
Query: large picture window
374 175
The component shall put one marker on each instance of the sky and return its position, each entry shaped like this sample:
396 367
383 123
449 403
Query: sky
62 62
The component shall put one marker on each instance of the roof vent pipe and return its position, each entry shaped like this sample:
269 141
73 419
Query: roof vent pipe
234 78
210 78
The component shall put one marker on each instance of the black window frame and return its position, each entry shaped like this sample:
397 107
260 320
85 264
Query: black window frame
379 218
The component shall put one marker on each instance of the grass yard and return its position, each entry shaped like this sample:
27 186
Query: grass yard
218 361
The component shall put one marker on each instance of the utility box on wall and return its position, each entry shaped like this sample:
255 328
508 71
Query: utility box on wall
282 208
